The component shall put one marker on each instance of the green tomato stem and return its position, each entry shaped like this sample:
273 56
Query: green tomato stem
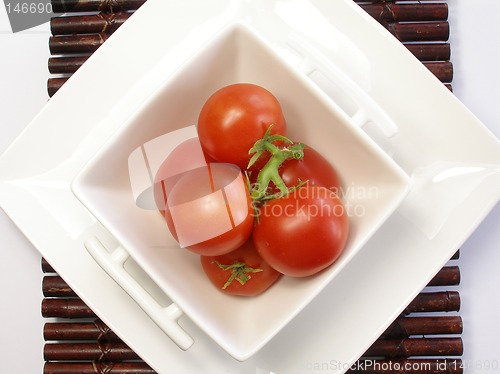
269 173
239 272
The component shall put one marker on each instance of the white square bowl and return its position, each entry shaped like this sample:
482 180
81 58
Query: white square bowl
374 186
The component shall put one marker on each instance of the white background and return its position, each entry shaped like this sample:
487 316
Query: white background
475 44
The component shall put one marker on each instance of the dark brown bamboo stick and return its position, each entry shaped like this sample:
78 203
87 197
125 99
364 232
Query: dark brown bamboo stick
402 327
406 12
66 64
109 22
388 8
445 75
64 6
81 43
405 32
137 367
54 84
88 23
66 308
389 348
427 53
99 352
46 267
408 366
410 347
435 325
440 51
420 31
110 6
55 286
65 331
444 301
443 70
447 276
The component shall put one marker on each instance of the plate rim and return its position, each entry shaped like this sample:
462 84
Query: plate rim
16 218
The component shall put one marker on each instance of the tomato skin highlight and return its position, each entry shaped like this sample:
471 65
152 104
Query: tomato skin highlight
234 118
302 233
259 281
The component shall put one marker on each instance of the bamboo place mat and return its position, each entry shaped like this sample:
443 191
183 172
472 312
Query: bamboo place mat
425 338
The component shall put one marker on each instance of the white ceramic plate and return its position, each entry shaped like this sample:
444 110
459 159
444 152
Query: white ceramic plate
459 172
373 187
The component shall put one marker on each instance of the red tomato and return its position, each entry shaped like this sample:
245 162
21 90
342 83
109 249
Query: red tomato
247 267
303 232
208 210
234 118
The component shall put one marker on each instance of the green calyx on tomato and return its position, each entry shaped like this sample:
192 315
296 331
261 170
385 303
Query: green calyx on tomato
239 271
269 172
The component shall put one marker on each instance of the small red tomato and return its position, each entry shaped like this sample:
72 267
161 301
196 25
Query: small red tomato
303 232
241 272
208 210
234 118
